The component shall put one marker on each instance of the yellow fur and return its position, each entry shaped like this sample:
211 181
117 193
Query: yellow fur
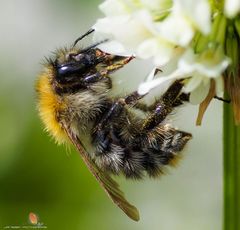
49 104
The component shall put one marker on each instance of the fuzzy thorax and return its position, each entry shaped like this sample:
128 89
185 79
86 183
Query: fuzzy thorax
75 110
49 106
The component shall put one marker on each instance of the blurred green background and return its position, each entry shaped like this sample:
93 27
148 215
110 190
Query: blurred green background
38 176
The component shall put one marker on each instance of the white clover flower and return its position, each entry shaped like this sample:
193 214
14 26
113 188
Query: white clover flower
163 30
232 8
179 37
151 29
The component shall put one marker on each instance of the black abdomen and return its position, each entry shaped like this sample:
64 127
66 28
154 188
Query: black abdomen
122 147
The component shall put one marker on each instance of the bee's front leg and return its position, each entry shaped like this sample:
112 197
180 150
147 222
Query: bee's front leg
117 62
92 78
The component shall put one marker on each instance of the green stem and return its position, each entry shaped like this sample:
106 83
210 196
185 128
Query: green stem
231 135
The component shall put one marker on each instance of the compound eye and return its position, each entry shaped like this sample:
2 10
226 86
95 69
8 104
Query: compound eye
67 72
66 69
74 67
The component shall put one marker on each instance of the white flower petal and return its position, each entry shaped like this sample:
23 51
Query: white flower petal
145 87
114 7
192 84
131 29
186 62
197 12
114 47
206 63
128 30
147 48
232 8
176 29
213 70
163 53
157 5
133 32
152 75
160 60
110 25
172 65
199 94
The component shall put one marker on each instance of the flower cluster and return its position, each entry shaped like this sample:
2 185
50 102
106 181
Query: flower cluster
193 40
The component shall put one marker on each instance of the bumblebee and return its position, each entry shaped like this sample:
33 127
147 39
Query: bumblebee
75 104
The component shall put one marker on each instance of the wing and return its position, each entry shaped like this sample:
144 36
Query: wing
108 184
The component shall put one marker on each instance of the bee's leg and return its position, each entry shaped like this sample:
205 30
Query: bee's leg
92 78
183 97
164 106
144 107
112 62
180 100
118 62
117 108
161 146
160 142
132 148
156 144
108 153
162 109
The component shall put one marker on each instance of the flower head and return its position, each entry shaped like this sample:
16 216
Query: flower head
185 39
150 29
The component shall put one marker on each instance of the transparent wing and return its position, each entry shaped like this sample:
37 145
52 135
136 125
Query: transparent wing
108 184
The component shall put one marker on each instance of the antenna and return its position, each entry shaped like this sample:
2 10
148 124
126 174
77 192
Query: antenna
83 36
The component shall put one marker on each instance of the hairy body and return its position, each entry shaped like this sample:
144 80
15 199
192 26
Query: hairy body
75 104
125 143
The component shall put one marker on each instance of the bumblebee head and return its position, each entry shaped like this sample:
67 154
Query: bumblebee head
69 65
73 69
